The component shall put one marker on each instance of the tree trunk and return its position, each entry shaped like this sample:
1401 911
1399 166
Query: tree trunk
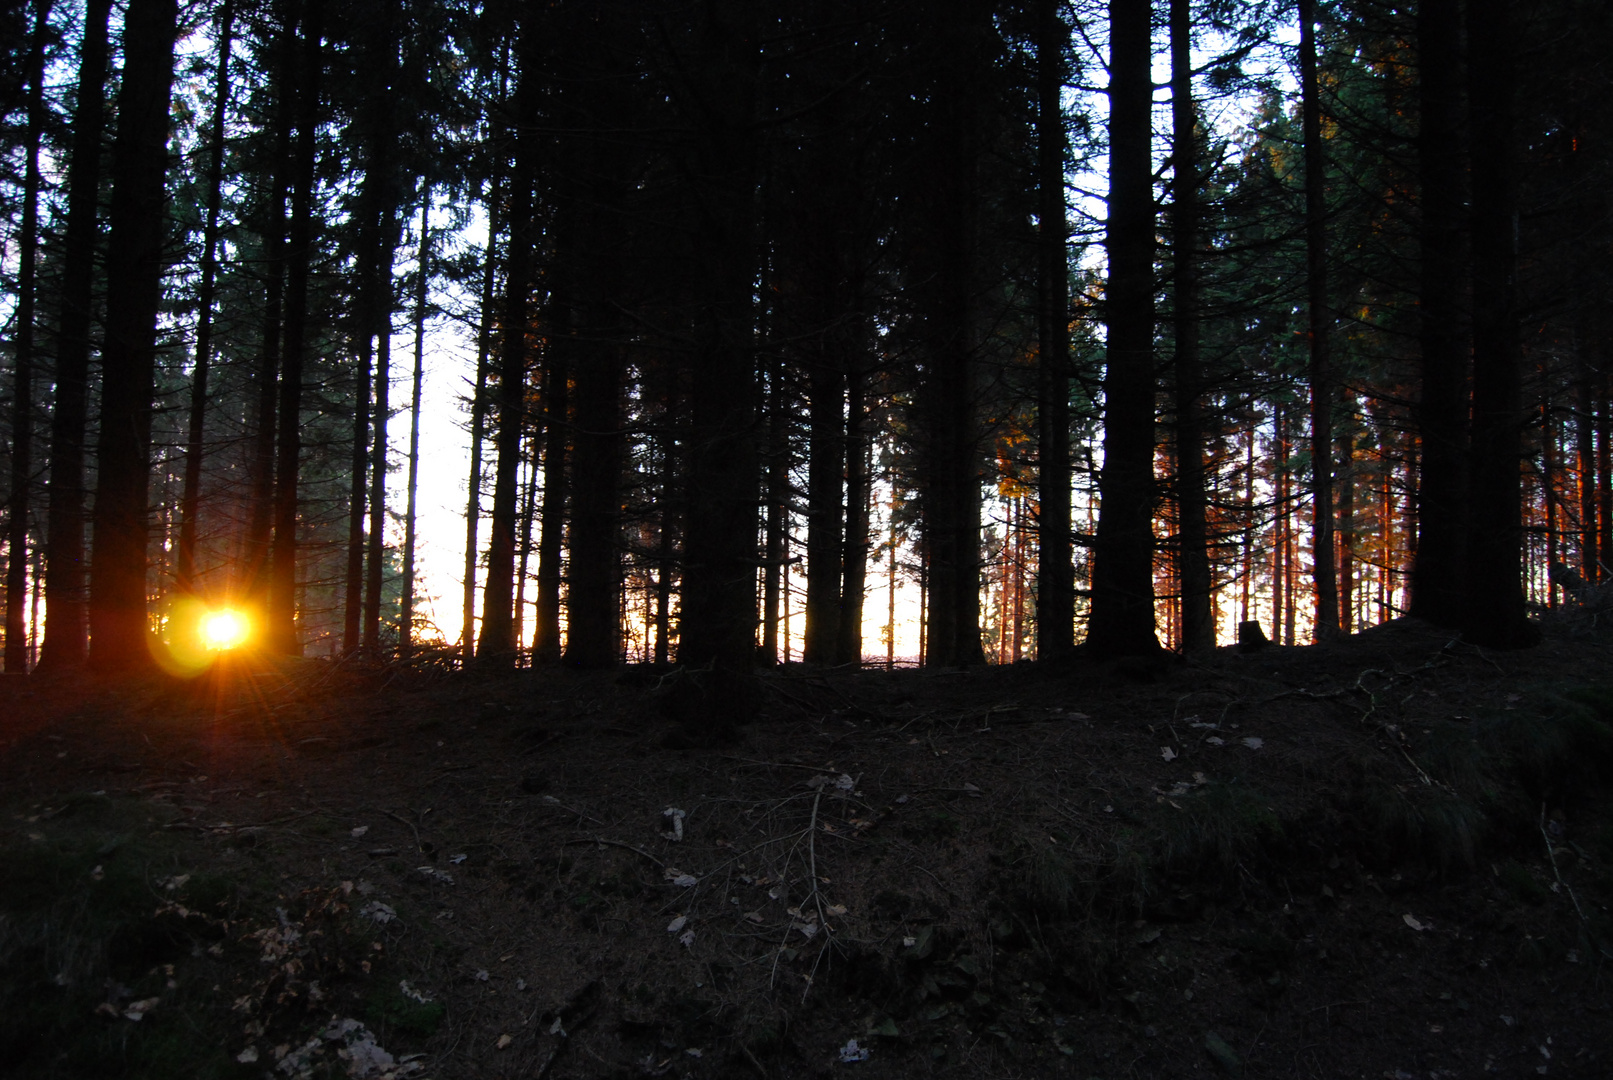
1193 559
546 644
593 599
718 624
353 598
1494 612
1123 557
778 504
22 424
497 644
260 524
381 299
137 229
66 641
478 425
190 497
406 625
282 630
826 448
951 499
1055 595
1324 571
529 511
1436 574
854 557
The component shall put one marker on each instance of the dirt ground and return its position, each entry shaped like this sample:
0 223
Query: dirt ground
1391 856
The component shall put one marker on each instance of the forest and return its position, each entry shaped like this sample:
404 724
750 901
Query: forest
732 538
1110 328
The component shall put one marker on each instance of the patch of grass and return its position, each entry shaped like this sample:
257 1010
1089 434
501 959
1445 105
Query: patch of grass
392 1010
1406 823
83 928
1218 828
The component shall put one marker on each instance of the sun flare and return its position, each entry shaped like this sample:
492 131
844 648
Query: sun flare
224 629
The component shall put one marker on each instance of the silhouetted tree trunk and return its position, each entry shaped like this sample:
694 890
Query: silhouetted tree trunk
358 472
66 641
596 191
190 497
1123 556
778 503
529 511
138 224
826 448
1324 571
593 638
497 645
382 299
1193 567
951 498
1055 586
718 624
1436 573
406 626
22 423
260 523
478 427
1494 612
283 573
546 645
854 554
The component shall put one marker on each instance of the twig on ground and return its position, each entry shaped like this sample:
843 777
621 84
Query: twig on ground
618 843
1551 854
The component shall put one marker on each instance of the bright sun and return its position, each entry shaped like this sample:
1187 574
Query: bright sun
224 629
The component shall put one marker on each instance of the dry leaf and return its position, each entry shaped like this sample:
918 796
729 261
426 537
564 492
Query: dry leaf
136 1010
504 1041
1167 753
677 924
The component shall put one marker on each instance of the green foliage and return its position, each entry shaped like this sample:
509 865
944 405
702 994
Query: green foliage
392 1009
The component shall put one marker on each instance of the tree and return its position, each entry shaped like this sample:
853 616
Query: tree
1494 612
1436 576
1055 596
1193 574
22 425
137 227
497 644
66 643
1323 566
190 500
1122 621
715 98
282 628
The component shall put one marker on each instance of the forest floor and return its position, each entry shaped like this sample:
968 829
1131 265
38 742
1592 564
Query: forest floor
1390 856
